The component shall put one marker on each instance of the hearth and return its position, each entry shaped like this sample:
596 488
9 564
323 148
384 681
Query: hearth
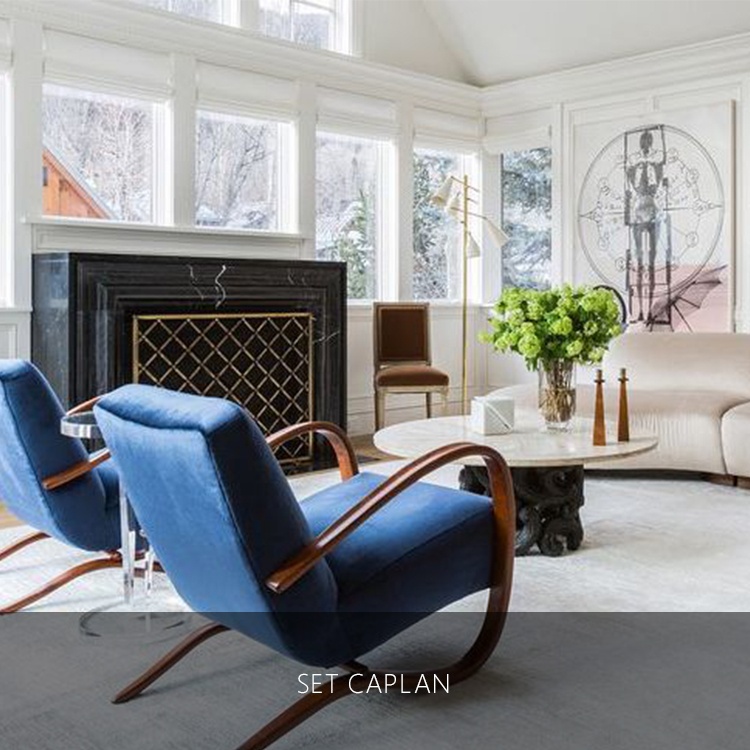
269 335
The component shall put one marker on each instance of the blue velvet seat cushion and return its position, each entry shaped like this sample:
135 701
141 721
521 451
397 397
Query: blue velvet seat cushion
426 548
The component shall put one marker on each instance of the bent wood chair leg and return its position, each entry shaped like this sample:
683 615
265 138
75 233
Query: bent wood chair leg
164 664
470 663
360 676
302 710
25 541
112 561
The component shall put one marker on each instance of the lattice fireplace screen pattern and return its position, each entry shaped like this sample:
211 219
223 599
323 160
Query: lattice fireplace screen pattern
262 361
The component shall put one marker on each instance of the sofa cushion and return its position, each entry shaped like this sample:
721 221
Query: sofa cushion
735 435
671 362
688 424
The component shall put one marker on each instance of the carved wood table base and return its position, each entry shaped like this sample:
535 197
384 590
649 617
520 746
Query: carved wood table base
548 500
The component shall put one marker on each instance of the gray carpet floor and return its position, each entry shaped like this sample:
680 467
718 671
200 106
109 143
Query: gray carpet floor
581 666
557 681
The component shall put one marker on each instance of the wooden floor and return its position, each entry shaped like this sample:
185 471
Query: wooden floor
6 519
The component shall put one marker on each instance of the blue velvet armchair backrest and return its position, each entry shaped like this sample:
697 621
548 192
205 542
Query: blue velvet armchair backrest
32 449
216 505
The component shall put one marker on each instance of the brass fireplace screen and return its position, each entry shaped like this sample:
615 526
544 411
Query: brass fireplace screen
262 361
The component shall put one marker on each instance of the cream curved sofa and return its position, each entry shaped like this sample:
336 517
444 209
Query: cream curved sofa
693 390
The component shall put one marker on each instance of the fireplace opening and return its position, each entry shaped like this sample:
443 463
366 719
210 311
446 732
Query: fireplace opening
261 360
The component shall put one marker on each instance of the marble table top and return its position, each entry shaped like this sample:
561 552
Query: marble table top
528 445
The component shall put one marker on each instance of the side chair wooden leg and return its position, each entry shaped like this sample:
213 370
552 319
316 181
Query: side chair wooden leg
302 710
25 541
166 663
428 404
112 561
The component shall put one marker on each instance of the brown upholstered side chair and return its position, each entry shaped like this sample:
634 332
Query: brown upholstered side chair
402 355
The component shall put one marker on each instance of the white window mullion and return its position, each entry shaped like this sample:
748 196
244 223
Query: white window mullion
179 170
402 266
25 191
306 167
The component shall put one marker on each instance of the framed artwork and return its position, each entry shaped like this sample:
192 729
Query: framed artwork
654 216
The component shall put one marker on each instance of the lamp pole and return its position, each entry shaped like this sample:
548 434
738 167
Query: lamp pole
457 205
465 298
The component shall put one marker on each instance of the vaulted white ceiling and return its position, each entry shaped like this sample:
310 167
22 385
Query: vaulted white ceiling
501 40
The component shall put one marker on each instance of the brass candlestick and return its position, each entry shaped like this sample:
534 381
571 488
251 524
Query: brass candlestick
623 417
600 430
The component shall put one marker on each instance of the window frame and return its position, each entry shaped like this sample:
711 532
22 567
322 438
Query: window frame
522 146
469 159
287 211
161 183
386 224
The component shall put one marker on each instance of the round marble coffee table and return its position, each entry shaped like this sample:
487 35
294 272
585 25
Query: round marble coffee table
547 469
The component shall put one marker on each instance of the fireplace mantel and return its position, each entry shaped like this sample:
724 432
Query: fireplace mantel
92 312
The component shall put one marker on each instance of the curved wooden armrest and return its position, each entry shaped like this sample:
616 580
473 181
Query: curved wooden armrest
85 406
345 456
501 486
84 467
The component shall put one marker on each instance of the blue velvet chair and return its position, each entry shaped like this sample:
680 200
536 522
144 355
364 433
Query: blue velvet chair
323 581
49 481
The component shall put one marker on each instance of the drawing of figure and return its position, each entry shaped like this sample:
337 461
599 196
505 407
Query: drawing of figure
646 219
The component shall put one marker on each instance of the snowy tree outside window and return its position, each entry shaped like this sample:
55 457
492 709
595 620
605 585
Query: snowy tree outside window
347 197
437 237
103 147
205 10
310 22
527 218
238 163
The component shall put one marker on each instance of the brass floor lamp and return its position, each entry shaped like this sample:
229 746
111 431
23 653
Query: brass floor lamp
454 196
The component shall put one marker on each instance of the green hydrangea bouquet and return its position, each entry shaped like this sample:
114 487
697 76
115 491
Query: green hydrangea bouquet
553 330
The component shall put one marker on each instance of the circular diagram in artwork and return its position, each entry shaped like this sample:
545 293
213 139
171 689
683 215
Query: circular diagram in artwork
650 215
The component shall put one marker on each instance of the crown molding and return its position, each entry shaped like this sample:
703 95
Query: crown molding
719 58
145 28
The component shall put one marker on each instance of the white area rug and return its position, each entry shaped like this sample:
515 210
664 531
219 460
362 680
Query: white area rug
650 545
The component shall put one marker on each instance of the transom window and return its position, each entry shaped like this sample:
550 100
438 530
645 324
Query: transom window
526 184
317 23
205 10
324 24
98 157
239 177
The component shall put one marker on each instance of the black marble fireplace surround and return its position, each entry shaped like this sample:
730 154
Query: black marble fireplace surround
85 306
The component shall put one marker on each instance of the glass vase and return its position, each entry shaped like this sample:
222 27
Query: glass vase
557 394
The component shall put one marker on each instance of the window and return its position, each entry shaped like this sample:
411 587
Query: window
437 236
317 23
98 159
205 10
527 217
238 177
349 208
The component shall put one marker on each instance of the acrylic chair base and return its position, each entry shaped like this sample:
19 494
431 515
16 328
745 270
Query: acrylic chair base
356 678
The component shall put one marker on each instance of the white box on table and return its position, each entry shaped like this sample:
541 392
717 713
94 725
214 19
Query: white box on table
492 415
